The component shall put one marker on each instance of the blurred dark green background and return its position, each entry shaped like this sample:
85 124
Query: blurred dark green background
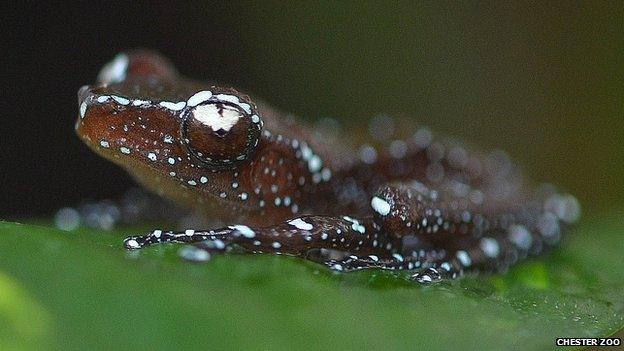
542 81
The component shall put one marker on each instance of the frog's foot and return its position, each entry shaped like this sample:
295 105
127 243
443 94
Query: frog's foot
428 269
187 236
355 263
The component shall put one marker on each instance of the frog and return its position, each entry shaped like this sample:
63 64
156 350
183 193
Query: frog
427 205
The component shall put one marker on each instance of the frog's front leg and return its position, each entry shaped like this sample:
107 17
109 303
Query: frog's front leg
361 242
294 237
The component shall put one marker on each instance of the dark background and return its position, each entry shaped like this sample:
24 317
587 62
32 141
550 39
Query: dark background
542 81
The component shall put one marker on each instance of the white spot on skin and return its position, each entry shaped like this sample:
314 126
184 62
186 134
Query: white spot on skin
245 106
203 180
424 278
168 139
520 236
380 206
102 99
572 211
276 245
83 109
104 143
218 244
301 224
398 149
463 258
171 160
244 230
199 97
423 137
306 152
398 257
315 164
139 102
374 258
120 100
243 196
114 71
255 119
124 150
490 247
476 196
151 156
174 106
217 117
548 225
326 174
192 182
189 232
234 99
355 224
132 244
316 178
368 154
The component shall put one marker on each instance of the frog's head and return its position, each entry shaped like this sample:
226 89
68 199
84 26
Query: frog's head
195 143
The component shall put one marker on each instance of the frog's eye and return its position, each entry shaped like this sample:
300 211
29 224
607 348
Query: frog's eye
220 134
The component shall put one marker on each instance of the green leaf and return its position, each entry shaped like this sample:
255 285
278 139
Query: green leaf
82 290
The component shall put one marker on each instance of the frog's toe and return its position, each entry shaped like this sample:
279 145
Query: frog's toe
132 243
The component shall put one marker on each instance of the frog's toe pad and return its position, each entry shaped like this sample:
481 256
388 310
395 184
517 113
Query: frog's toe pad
132 243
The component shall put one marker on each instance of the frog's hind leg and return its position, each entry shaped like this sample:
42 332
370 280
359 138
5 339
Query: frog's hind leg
295 237
431 265
427 266
471 237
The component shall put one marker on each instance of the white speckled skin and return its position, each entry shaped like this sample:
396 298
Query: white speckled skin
412 203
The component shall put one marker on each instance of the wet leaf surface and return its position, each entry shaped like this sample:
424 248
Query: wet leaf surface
82 290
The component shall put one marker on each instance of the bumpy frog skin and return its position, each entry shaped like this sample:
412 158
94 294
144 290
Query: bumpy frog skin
429 206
